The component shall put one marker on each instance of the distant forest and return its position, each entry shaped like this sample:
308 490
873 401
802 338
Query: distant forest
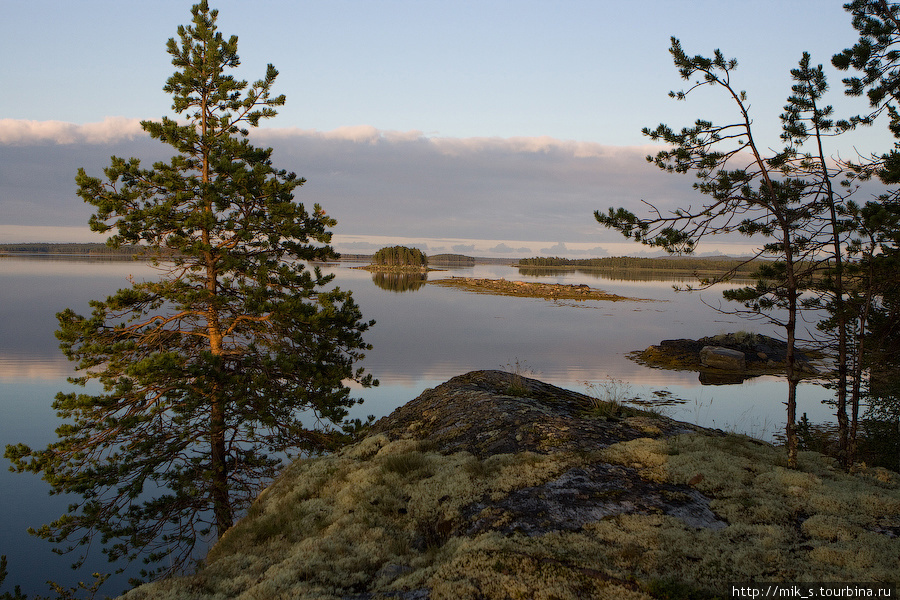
452 259
693 264
95 249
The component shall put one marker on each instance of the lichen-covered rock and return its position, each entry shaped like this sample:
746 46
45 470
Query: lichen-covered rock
496 486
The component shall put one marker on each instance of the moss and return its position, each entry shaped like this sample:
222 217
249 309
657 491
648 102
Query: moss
388 516
763 501
330 524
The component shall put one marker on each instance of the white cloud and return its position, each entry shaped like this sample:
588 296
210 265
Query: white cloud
358 134
559 249
502 248
110 130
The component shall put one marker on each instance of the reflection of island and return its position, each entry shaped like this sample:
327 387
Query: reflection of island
399 281
629 268
548 291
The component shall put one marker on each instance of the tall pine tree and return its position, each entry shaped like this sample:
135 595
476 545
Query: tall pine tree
236 356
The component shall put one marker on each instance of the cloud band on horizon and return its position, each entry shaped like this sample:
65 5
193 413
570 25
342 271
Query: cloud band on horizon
374 182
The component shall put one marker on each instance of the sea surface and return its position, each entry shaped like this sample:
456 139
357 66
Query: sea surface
424 335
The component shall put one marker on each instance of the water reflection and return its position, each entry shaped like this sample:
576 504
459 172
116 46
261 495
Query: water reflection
723 377
17 368
680 277
419 341
399 281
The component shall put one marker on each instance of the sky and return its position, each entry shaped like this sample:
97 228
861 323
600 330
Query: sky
489 128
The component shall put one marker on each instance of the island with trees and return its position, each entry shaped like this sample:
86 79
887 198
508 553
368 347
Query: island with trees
398 259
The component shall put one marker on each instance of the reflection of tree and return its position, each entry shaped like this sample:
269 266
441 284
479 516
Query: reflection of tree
399 281
543 271
618 274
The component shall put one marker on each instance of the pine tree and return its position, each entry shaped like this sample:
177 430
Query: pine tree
875 226
783 197
234 358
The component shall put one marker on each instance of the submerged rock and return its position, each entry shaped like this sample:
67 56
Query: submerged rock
493 486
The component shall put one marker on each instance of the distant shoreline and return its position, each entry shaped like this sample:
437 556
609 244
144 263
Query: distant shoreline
700 266
92 250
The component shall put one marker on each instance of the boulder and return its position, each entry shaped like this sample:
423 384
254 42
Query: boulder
716 357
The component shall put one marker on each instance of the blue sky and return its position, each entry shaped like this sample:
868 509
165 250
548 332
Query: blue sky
467 124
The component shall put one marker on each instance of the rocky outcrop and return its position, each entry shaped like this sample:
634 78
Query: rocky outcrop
494 486
527 289
718 358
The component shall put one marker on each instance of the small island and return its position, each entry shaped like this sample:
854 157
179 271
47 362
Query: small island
398 259
526 289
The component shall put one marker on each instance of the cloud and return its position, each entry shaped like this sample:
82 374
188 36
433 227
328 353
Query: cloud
520 145
526 193
357 134
502 248
359 247
593 252
557 250
110 130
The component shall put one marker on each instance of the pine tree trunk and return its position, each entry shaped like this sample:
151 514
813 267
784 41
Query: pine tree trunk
790 358
218 452
843 433
793 380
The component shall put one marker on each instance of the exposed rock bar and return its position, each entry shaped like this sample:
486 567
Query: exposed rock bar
528 289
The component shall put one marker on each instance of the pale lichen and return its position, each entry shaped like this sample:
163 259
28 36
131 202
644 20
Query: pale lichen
396 515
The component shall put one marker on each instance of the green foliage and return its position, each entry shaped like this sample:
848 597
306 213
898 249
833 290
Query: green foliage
520 370
871 305
400 256
16 594
238 355
876 56
61 592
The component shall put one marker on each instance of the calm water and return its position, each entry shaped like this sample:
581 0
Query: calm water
423 337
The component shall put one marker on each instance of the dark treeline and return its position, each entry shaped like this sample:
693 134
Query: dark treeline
719 265
88 249
452 259
400 256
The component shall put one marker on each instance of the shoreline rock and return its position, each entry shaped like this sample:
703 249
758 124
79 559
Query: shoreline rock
493 486
395 268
